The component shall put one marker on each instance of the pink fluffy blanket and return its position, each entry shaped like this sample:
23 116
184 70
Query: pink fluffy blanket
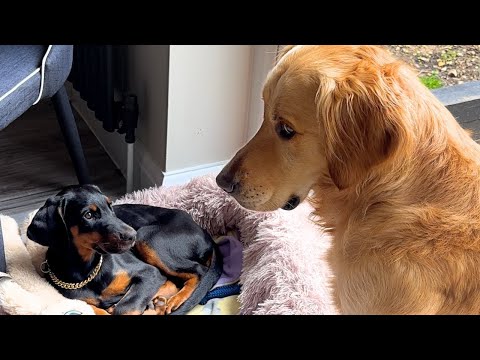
284 270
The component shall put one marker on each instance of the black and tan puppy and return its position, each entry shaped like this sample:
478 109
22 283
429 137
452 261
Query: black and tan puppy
122 259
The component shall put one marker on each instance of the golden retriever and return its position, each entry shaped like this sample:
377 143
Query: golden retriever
394 177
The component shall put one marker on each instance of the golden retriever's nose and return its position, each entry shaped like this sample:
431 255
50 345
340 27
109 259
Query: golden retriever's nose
226 181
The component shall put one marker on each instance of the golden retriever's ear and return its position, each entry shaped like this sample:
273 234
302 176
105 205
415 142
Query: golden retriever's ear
365 120
283 51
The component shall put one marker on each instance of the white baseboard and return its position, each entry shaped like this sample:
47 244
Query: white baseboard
183 176
150 173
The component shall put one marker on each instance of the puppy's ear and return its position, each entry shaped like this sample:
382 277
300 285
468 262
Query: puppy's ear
365 116
48 224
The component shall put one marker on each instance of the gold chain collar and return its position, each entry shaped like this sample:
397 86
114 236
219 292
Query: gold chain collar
71 286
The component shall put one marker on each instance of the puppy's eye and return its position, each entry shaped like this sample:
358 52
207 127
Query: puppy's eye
87 215
285 131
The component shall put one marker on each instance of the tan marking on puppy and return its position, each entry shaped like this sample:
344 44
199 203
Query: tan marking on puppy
117 286
99 311
85 242
191 281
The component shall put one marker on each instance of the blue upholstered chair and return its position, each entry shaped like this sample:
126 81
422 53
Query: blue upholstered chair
30 73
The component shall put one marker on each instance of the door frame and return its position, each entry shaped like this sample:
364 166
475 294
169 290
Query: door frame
263 60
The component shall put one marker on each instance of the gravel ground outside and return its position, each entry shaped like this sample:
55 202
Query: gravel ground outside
441 65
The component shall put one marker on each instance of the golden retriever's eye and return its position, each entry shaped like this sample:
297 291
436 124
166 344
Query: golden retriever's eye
285 131
87 215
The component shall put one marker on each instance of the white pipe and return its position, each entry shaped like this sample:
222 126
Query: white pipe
130 148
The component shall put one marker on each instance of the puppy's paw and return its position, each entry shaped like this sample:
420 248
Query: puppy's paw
173 304
160 304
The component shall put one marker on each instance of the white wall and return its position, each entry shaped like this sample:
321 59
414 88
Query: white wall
215 105
209 89
198 105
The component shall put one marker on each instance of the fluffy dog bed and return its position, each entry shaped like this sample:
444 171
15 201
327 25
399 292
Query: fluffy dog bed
284 270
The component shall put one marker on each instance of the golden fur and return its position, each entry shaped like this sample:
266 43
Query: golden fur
395 178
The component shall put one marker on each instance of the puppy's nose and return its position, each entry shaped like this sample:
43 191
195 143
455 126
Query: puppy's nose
129 235
227 182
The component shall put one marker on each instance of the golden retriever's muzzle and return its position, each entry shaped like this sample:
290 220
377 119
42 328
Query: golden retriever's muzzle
228 180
